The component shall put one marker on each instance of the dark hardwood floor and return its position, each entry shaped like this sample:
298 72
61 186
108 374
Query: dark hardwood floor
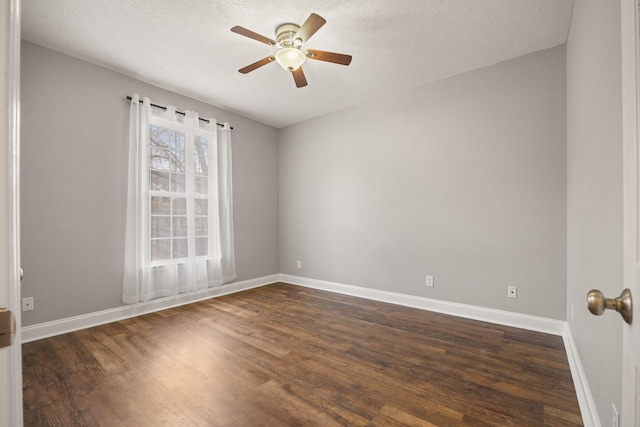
283 355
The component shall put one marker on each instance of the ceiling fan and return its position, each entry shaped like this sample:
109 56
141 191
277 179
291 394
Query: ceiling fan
289 40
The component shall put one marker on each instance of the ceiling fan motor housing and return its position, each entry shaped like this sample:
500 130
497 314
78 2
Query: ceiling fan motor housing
285 34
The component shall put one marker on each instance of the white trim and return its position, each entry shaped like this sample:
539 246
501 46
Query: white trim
70 324
500 317
517 320
12 200
588 409
630 88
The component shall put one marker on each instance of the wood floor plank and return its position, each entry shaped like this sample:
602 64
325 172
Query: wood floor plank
404 418
283 355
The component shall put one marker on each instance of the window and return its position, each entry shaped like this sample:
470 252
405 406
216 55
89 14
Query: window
170 174
168 197
179 207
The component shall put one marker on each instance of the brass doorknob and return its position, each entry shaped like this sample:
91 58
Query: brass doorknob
597 304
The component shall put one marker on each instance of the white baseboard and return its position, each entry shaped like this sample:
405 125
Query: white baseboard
588 409
523 321
517 320
70 324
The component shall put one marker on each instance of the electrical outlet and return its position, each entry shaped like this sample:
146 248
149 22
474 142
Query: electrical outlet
298 264
429 282
615 418
512 292
27 304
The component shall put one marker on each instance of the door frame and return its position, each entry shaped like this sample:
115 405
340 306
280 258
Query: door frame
9 143
630 52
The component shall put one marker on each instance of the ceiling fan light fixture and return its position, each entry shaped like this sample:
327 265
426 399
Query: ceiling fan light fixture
290 58
289 41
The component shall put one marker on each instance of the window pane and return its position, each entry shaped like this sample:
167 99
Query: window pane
179 226
202 206
167 149
201 155
160 226
202 185
159 136
179 206
177 182
202 226
160 249
177 161
180 248
159 180
167 138
160 205
202 246
177 142
160 159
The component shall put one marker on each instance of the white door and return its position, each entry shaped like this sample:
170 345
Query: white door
631 151
10 357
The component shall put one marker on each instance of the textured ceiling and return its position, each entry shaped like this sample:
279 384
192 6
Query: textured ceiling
186 46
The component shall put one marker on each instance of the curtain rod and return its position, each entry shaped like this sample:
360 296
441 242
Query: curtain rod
177 112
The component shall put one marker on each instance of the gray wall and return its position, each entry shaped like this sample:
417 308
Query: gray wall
74 127
594 187
463 179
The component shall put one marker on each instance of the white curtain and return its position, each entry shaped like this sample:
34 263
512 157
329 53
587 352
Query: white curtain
159 267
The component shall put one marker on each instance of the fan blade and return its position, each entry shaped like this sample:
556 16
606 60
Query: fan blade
257 64
248 33
336 58
298 76
311 25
